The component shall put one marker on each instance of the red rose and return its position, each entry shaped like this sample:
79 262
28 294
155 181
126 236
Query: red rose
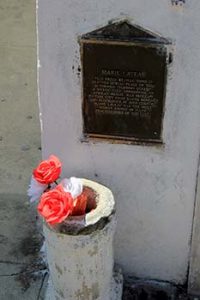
55 205
48 170
80 204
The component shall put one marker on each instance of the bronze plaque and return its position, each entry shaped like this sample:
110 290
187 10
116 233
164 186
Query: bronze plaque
123 88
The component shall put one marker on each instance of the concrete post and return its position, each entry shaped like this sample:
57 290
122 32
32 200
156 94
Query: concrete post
81 262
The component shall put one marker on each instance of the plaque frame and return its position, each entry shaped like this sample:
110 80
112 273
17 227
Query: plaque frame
146 39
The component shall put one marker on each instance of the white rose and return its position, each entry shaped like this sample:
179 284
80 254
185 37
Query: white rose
73 186
35 189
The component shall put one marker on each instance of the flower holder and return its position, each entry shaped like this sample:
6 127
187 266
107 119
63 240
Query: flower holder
80 252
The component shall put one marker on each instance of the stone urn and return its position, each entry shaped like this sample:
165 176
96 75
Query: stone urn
80 251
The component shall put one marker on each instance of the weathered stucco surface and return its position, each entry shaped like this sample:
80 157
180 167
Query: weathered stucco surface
154 186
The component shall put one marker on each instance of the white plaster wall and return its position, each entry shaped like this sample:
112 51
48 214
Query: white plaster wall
154 186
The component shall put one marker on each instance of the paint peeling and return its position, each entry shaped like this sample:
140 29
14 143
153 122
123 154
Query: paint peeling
94 251
60 293
58 269
95 290
84 293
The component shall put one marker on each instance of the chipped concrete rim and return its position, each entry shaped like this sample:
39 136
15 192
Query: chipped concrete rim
105 202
